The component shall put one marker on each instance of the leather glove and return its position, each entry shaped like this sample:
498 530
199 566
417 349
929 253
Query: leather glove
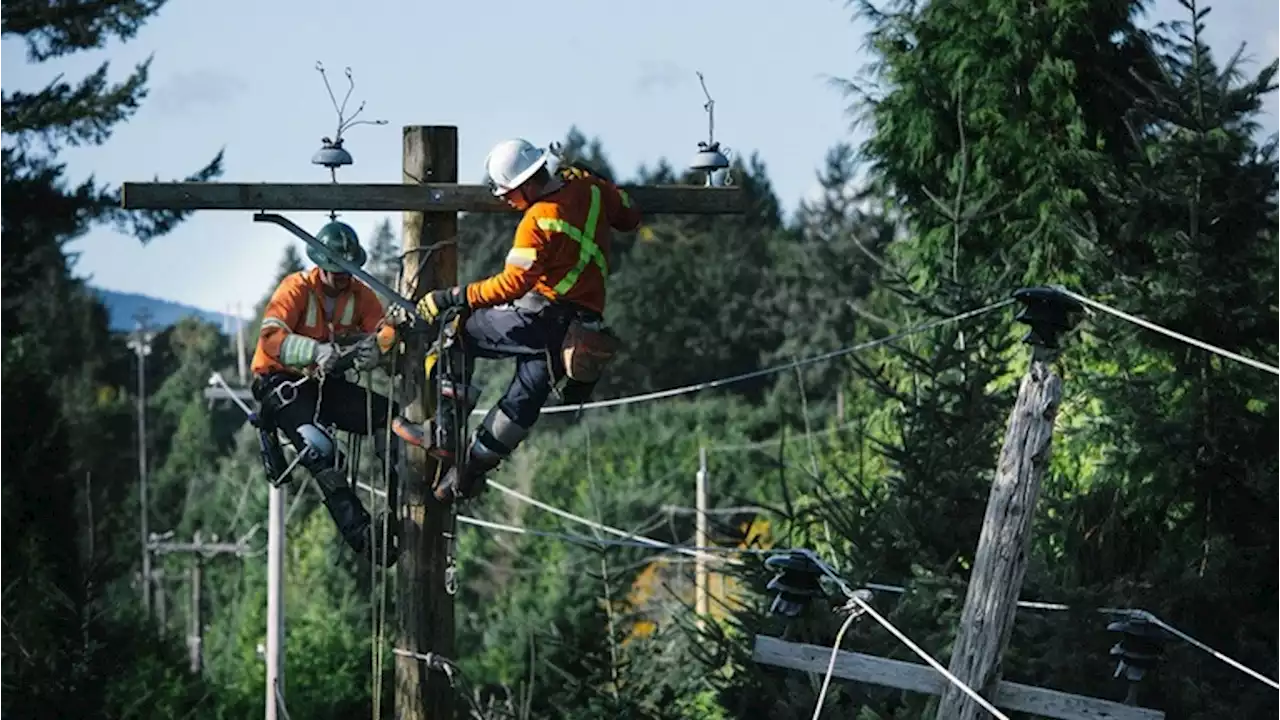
571 172
436 302
326 356
366 352
396 316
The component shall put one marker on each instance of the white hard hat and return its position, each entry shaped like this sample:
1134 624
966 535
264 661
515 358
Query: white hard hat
511 162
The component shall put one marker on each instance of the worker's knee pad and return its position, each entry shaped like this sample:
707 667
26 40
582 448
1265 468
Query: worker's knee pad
319 451
499 433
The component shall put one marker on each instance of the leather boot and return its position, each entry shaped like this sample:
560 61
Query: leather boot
469 483
353 521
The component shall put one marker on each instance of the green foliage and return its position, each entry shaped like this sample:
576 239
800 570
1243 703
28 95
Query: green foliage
74 646
1010 145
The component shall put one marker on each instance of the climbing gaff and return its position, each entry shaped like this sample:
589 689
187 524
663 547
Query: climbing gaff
356 270
797 582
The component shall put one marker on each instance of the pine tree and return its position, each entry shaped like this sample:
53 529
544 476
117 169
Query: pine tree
1184 496
76 659
290 262
384 254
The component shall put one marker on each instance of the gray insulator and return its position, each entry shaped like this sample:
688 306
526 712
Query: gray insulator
332 157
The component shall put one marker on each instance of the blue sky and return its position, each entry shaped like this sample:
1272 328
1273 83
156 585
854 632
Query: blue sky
241 75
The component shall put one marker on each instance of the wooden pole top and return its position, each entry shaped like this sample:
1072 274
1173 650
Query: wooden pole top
428 197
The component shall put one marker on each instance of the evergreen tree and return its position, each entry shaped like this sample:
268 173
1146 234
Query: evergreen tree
1184 470
384 254
290 262
70 653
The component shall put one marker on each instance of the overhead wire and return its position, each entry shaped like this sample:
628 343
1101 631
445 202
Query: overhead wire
831 661
631 539
733 379
1167 332
634 540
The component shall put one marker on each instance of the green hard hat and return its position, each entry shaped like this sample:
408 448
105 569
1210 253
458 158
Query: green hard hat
340 239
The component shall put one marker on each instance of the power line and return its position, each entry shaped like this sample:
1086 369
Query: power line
855 597
640 541
721 382
1166 331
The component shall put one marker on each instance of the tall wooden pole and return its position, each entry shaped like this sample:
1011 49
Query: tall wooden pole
423 608
1001 560
140 343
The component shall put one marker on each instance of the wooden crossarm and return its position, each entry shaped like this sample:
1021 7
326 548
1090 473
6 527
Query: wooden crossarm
924 679
432 197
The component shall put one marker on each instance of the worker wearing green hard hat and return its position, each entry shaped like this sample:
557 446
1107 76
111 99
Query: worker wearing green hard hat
318 324
339 239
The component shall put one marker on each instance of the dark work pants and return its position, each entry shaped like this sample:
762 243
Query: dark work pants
526 335
343 404
514 332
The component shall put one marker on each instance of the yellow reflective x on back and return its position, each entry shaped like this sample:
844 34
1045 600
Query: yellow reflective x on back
588 251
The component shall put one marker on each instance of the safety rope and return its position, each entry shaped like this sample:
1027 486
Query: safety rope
375 622
379 572
445 370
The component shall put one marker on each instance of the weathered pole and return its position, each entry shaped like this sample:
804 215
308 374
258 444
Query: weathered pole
1001 560
424 609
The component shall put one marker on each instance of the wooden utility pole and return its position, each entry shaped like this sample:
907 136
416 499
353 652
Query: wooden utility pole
140 343
424 607
200 549
430 198
1001 560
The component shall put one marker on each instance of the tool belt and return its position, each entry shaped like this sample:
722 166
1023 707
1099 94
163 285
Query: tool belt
588 346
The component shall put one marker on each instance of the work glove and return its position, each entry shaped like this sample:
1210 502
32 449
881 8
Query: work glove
326 357
571 172
435 303
396 316
366 352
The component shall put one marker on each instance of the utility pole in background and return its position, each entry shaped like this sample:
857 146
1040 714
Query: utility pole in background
201 550
140 343
241 360
700 539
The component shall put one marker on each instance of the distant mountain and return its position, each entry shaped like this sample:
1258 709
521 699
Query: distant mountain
122 306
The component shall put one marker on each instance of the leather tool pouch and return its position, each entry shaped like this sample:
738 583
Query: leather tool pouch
588 348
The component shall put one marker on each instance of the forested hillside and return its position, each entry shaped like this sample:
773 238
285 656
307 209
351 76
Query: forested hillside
1011 144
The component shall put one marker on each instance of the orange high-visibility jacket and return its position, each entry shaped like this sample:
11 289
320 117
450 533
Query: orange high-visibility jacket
297 307
561 246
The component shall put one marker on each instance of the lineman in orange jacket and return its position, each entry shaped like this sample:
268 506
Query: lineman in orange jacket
551 287
308 312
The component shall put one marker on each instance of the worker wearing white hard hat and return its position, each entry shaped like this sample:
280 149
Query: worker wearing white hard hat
510 165
545 308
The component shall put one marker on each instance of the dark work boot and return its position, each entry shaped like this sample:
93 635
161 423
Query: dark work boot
353 521
471 481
